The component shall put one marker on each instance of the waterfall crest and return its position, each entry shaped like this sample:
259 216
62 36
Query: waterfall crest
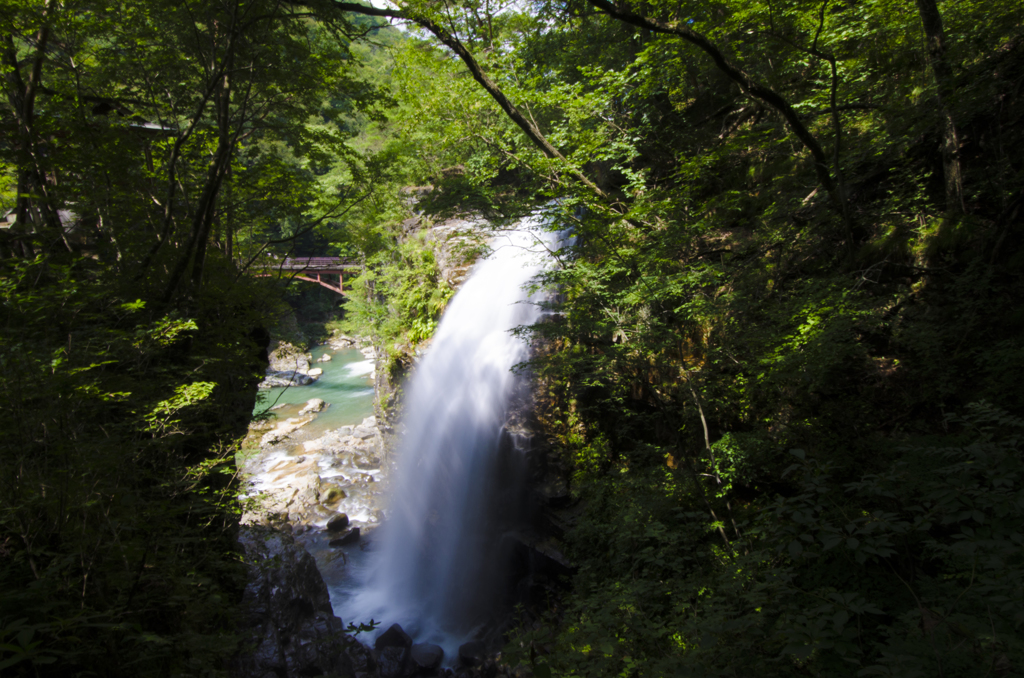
436 567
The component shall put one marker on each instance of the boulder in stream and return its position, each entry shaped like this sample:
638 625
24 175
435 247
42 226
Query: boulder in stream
342 341
395 636
366 463
286 378
426 657
392 648
350 537
337 523
313 405
392 662
288 357
331 494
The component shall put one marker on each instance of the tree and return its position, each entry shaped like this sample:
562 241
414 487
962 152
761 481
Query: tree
935 36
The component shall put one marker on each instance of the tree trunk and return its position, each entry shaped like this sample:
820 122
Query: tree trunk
203 216
222 162
229 220
952 167
32 175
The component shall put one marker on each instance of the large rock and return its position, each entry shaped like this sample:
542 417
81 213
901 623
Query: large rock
283 429
290 627
472 653
337 523
276 378
330 495
395 636
313 405
325 358
288 486
350 537
392 648
366 463
287 357
426 657
342 341
364 431
392 662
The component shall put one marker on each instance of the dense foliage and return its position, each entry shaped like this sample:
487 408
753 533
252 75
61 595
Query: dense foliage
785 367
151 155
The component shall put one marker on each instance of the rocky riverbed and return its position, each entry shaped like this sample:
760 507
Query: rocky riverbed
301 484
291 366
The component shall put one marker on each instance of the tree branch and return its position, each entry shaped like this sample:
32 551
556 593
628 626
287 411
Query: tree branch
746 83
453 43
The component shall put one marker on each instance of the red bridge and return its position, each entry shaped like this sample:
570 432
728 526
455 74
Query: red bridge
306 267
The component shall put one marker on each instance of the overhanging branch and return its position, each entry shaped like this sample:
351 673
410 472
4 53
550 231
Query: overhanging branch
453 43
738 76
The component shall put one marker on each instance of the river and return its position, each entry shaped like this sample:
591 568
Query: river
345 384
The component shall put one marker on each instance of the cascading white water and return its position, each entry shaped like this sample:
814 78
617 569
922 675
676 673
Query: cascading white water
435 566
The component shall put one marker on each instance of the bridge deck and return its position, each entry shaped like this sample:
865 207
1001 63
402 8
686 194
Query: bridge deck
316 264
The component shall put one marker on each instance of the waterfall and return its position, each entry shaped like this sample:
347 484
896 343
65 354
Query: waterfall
436 566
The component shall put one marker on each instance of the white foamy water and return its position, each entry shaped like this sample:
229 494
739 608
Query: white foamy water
435 567
360 368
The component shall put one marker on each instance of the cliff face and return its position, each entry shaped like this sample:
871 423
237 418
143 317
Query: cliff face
454 244
291 629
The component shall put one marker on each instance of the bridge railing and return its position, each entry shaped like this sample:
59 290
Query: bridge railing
312 264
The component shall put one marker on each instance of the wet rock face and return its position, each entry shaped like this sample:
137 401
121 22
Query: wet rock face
292 630
473 653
